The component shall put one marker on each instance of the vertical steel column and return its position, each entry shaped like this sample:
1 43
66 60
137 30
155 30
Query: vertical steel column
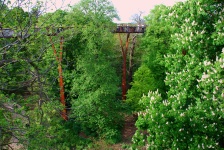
60 79
124 66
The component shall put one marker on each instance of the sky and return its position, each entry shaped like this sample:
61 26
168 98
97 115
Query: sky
125 8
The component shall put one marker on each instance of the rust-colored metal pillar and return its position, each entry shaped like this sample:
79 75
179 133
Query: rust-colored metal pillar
61 82
131 61
60 78
124 66
124 83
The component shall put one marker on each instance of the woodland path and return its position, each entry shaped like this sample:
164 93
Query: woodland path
129 128
127 132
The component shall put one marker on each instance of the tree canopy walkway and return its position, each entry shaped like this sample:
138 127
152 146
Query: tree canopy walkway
129 28
119 28
54 31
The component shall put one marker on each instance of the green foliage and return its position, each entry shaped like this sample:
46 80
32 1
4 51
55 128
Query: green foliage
29 105
94 11
95 84
192 115
172 124
92 78
17 17
56 19
155 43
143 82
47 131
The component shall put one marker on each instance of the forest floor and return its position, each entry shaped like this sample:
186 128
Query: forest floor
127 133
129 128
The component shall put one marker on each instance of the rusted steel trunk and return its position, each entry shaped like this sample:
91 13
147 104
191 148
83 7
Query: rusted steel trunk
61 83
60 73
124 83
124 66
131 61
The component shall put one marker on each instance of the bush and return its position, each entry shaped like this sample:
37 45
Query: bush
192 115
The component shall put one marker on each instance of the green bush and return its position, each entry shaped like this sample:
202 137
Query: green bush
143 82
174 124
192 115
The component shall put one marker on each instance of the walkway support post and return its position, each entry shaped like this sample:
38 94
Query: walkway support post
60 78
124 65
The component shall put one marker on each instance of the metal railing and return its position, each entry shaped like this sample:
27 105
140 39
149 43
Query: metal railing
129 28
120 28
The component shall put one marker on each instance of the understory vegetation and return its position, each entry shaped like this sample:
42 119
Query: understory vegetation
61 77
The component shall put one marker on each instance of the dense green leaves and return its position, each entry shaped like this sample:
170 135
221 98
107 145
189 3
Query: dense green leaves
143 82
155 43
181 67
95 83
191 117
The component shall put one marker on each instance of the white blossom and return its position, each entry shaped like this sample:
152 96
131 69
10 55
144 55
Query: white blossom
182 114
152 98
170 14
187 20
206 63
220 81
203 31
205 76
203 146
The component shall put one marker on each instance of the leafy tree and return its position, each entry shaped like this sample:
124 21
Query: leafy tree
95 82
56 19
142 83
192 115
28 101
155 43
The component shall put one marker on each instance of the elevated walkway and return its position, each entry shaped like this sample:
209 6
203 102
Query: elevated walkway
120 28
129 28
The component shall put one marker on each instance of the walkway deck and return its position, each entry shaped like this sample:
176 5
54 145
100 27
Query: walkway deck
120 28
129 29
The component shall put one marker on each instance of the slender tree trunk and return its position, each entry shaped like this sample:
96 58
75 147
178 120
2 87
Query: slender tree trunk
131 61
124 66
60 73
124 84
61 83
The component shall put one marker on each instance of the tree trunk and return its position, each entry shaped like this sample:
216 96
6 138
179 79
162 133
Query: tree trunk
124 66
61 83
131 61
60 79
124 84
